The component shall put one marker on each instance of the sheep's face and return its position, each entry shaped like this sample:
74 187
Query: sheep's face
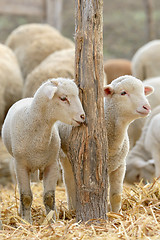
128 96
64 102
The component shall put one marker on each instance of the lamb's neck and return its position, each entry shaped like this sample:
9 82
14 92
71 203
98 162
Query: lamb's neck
116 130
41 121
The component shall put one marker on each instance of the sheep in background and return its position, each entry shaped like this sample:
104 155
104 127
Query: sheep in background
125 101
152 142
58 64
32 43
115 68
31 138
139 168
143 161
146 61
135 128
11 81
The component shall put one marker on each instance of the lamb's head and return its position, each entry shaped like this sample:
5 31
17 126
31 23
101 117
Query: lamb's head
63 101
127 96
140 169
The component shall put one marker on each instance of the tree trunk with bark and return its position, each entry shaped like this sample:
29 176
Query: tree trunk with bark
88 144
148 4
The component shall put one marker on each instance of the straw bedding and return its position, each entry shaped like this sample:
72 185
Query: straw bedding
138 219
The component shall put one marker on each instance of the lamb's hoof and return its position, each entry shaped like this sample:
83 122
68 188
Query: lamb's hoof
49 201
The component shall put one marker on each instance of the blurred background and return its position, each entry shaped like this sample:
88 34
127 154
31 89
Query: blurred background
128 24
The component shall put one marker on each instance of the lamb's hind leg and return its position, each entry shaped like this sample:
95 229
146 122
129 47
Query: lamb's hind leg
50 176
69 181
23 179
116 186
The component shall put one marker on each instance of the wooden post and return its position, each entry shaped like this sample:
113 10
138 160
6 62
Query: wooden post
53 13
148 4
88 144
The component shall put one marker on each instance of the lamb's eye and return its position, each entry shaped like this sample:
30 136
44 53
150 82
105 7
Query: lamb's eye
63 99
123 93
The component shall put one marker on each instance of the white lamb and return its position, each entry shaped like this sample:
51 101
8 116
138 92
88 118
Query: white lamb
31 138
135 128
146 153
124 102
146 61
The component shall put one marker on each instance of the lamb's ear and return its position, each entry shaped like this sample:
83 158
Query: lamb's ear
49 91
108 90
148 90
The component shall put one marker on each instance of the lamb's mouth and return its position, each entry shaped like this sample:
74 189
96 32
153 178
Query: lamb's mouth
79 123
143 113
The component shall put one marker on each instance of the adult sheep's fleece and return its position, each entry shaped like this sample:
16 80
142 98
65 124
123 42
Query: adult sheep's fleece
31 138
115 68
146 61
143 161
10 81
32 43
125 101
135 128
58 64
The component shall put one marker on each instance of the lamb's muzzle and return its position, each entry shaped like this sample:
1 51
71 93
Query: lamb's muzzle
146 109
82 116
82 119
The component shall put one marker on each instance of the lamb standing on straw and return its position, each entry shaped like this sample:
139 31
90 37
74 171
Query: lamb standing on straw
31 138
125 101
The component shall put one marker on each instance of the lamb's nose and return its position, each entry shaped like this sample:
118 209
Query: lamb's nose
147 107
82 116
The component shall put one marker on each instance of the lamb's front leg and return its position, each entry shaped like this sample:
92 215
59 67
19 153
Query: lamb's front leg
23 179
50 177
116 186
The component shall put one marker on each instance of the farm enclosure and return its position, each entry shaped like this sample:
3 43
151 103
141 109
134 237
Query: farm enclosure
124 25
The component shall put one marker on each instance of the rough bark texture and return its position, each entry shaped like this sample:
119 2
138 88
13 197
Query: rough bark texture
148 4
88 144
